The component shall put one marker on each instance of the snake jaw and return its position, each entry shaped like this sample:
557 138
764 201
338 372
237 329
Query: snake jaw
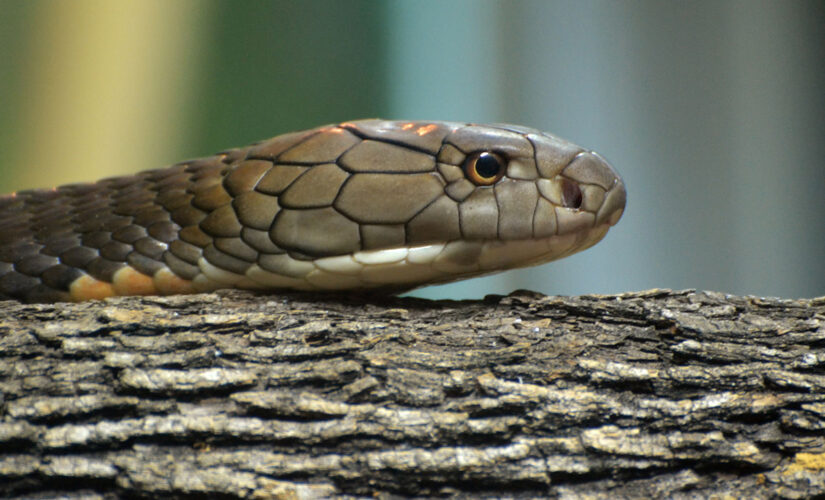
405 268
420 266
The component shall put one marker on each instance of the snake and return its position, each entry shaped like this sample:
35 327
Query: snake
373 206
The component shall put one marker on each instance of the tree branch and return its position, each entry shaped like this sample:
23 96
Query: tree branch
230 394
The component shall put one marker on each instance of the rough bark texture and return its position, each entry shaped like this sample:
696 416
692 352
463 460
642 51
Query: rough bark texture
649 394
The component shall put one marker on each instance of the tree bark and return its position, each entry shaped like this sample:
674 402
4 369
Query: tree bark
232 394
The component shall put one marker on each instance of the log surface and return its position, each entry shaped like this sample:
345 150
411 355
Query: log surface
648 394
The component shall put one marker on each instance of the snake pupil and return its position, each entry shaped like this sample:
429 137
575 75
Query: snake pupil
487 165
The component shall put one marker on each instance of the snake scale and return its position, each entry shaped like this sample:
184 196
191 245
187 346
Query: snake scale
363 205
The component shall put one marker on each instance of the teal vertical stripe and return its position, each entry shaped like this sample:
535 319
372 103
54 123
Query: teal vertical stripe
445 60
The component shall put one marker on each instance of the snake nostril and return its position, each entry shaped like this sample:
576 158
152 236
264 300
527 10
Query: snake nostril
571 194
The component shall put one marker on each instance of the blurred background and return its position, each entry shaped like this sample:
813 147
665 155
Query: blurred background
714 112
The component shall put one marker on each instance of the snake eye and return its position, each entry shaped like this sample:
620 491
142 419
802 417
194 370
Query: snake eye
484 168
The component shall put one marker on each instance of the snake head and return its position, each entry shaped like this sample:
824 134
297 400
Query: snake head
397 204
532 184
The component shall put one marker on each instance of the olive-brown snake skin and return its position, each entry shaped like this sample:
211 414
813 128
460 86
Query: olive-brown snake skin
371 204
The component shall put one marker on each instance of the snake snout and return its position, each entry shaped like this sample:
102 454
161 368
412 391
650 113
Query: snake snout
603 190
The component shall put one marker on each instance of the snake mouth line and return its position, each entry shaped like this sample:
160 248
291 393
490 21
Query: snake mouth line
401 268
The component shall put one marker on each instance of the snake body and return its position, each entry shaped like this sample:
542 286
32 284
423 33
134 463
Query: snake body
370 204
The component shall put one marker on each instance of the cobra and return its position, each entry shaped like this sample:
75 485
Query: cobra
362 205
